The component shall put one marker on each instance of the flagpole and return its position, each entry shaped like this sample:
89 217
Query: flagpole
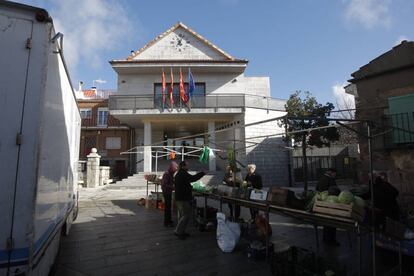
163 90
181 79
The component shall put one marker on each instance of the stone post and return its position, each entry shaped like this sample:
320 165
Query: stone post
147 147
92 169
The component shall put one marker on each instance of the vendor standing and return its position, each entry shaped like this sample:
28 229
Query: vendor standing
385 199
167 187
231 180
327 183
183 197
254 180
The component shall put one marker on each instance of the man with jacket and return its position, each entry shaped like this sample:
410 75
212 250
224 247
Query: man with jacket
183 197
327 183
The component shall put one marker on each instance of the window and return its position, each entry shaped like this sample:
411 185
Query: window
102 116
86 113
113 143
401 109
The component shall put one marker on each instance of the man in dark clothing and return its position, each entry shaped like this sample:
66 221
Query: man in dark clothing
167 186
385 199
253 180
183 197
327 183
231 180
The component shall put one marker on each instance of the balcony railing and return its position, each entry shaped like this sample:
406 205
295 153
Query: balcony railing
100 121
401 127
134 102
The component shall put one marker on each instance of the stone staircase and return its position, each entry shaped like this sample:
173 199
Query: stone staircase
138 182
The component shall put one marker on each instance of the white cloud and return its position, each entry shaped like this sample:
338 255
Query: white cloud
343 100
369 13
400 39
91 28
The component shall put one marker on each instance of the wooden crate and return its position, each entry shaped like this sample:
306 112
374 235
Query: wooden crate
339 209
279 196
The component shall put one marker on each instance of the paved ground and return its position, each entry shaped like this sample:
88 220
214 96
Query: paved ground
115 236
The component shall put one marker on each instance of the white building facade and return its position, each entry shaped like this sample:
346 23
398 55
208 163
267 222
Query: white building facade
223 102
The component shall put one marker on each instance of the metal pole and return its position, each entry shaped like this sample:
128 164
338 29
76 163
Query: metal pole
371 179
359 250
182 153
156 162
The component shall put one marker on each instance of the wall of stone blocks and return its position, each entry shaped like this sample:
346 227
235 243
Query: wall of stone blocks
270 154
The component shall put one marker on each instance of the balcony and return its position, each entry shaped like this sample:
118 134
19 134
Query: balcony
149 101
101 121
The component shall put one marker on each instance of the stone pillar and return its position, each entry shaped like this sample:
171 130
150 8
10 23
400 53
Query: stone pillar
139 141
212 144
147 147
92 169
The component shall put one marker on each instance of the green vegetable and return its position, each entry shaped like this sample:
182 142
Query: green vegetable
359 202
332 199
346 197
324 195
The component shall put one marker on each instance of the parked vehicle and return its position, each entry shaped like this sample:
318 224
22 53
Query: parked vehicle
39 141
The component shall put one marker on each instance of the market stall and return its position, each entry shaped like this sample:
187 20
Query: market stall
314 219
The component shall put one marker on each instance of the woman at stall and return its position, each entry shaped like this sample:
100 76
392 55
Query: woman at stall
231 180
254 180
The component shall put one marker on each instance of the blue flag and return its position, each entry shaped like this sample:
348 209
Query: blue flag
191 84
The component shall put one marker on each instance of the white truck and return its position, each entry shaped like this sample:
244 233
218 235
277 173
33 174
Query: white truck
39 141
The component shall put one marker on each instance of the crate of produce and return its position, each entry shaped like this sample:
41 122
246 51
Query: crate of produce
279 196
339 209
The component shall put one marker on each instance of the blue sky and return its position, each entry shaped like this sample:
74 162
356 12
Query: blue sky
309 45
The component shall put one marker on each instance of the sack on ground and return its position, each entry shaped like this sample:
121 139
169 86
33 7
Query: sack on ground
228 233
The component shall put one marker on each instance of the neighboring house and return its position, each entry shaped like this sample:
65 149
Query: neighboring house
223 99
102 131
384 94
342 155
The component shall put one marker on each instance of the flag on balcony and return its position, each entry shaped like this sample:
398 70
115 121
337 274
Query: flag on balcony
191 84
171 91
183 95
164 86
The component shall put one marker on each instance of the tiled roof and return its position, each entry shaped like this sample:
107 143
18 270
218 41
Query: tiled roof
89 93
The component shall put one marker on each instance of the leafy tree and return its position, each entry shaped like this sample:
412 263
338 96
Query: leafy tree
306 113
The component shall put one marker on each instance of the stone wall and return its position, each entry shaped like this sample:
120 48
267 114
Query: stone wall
270 154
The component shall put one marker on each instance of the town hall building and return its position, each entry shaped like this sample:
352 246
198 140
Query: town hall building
218 106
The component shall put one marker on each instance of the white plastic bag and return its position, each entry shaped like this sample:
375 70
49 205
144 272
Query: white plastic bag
228 233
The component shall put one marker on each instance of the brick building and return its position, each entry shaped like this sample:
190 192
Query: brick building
102 131
384 94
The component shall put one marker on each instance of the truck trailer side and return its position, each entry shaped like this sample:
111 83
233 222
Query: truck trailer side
39 141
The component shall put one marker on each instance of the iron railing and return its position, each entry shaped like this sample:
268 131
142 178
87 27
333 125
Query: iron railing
149 101
102 120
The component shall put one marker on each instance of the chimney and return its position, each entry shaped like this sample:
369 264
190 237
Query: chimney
80 86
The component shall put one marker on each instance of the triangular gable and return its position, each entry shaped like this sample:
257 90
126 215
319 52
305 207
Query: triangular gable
180 43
